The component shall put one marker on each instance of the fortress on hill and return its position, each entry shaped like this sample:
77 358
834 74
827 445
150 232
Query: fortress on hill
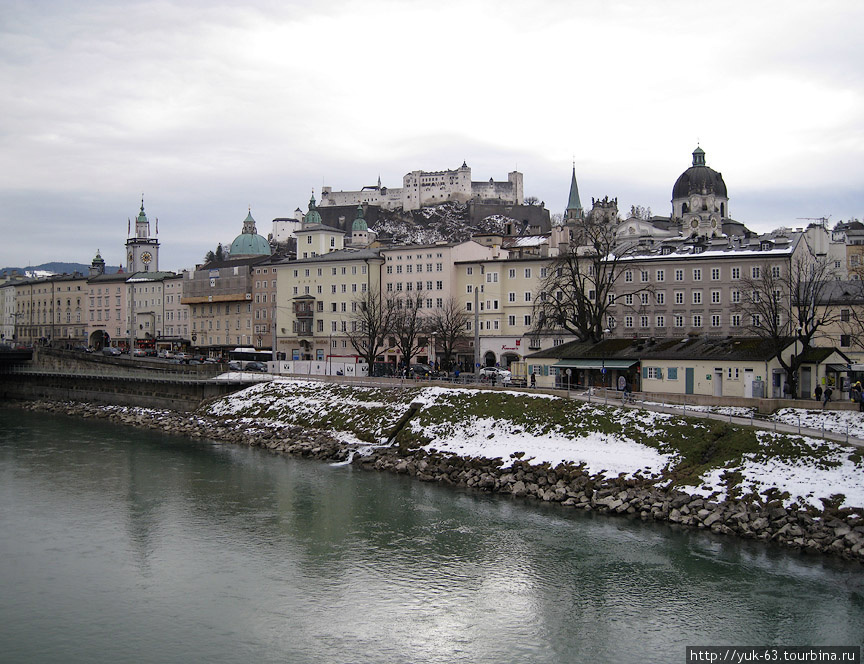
422 188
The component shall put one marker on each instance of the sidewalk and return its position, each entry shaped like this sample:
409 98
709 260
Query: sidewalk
614 399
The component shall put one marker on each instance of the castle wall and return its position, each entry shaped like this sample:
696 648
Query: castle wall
421 188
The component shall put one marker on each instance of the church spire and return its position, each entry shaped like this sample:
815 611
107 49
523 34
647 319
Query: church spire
574 205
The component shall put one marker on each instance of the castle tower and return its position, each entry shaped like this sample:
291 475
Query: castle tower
97 267
142 251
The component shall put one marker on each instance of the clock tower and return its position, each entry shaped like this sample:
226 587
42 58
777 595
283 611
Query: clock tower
142 251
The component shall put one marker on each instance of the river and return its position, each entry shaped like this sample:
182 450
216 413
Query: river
126 545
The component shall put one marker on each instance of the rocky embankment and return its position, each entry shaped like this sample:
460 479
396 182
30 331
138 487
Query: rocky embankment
832 530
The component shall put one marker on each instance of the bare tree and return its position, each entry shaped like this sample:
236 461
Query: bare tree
448 324
409 326
790 303
575 294
640 212
368 324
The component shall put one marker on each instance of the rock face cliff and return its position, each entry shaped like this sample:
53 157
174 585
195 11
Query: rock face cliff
449 222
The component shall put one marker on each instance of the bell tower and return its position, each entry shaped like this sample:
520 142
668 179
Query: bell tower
142 251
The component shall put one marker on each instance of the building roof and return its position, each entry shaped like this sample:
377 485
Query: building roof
699 179
347 254
249 243
736 349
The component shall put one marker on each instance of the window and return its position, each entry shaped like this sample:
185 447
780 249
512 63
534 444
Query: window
697 297
715 320
527 321
736 273
755 320
845 340
511 320
755 272
491 277
732 373
715 297
715 274
528 297
660 275
844 315
527 272
643 297
697 320
775 271
679 275
660 298
655 373
660 321
628 276
679 297
511 297
628 299
643 276
697 274
511 274
643 321
736 320
736 297
628 321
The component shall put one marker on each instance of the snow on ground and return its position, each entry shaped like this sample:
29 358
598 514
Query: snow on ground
492 438
807 479
840 421
827 471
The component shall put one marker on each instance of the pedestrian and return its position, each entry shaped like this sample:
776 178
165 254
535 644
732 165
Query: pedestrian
827 396
818 393
627 390
857 394
533 379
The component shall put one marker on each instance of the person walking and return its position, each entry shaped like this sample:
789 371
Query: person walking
857 395
533 379
818 393
826 396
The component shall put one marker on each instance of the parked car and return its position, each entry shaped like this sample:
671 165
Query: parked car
183 357
110 350
501 375
256 366
422 371
139 352
235 366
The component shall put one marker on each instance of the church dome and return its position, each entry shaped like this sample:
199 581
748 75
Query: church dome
699 179
249 243
313 216
359 222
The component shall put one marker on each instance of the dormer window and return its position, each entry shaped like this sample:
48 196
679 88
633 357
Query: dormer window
765 246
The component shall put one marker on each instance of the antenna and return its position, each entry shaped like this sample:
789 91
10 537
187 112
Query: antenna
823 221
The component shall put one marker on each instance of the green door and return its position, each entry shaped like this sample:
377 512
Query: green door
688 381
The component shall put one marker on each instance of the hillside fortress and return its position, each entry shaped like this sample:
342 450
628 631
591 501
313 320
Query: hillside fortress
422 188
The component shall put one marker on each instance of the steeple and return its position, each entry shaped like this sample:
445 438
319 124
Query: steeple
249 224
313 216
698 156
574 205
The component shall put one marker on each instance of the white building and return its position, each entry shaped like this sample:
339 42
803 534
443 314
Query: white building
421 188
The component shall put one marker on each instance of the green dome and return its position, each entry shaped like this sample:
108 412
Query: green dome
249 243
359 222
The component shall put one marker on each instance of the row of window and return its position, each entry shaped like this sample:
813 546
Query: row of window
697 272
696 297
439 267
696 320
307 272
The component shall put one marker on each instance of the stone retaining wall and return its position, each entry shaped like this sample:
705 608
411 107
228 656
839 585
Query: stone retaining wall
832 530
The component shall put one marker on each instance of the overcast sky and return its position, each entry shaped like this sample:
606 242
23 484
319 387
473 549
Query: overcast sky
208 108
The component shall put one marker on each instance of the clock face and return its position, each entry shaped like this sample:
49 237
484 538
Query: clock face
146 257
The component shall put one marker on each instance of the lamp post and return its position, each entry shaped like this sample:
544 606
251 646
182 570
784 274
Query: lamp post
608 330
